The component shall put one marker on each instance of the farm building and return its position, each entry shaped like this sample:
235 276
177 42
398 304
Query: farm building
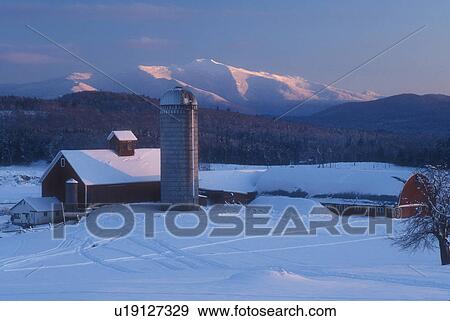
125 174
123 142
346 189
364 189
37 210
229 186
413 198
104 176
121 174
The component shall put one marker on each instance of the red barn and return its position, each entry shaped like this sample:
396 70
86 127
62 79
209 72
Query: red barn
121 174
413 197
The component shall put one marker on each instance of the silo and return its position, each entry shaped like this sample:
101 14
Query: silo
71 195
179 147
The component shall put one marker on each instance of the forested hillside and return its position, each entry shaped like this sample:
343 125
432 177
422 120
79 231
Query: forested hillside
405 114
35 129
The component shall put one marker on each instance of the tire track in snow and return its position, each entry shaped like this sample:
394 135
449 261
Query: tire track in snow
136 256
291 247
193 257
162 252
60 249
83 251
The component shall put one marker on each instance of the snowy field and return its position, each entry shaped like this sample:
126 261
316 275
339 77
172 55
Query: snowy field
17 182
321 267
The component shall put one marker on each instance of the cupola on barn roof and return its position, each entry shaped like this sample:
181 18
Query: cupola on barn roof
122 135
178 96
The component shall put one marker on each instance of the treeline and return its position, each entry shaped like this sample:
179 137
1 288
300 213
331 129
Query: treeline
35 129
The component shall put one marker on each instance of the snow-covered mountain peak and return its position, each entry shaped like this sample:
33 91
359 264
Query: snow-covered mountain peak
81 86
242 87
206 60
163 72
370 93
79 76
78 84
290 87
159 72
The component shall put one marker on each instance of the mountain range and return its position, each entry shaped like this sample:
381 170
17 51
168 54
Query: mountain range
214 83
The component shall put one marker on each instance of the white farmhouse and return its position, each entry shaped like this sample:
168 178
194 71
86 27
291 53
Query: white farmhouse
33 211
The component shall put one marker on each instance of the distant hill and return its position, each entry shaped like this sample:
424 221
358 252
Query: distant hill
34 129
406 113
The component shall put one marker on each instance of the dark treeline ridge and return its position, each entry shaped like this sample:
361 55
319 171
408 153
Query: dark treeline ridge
36 129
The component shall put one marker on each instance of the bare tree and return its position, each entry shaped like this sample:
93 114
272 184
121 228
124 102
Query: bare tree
432 220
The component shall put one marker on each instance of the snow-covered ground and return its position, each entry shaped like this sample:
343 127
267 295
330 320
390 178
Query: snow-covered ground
17 182
34 266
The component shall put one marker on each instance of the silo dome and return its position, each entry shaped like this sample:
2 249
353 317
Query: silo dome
178 96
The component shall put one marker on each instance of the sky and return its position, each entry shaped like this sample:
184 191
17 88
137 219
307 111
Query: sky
318 40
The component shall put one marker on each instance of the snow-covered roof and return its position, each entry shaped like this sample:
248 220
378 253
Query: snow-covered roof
362 180
43 204
122 135
104 166
240 181
332 181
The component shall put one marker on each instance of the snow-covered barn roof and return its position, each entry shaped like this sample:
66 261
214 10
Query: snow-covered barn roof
239 181
122 135
346 179
371 182
42 204
104 166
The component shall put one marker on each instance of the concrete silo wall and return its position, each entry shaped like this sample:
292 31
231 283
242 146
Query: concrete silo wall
179 154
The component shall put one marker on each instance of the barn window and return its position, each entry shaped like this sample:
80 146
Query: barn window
45 213
130 146
63 162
